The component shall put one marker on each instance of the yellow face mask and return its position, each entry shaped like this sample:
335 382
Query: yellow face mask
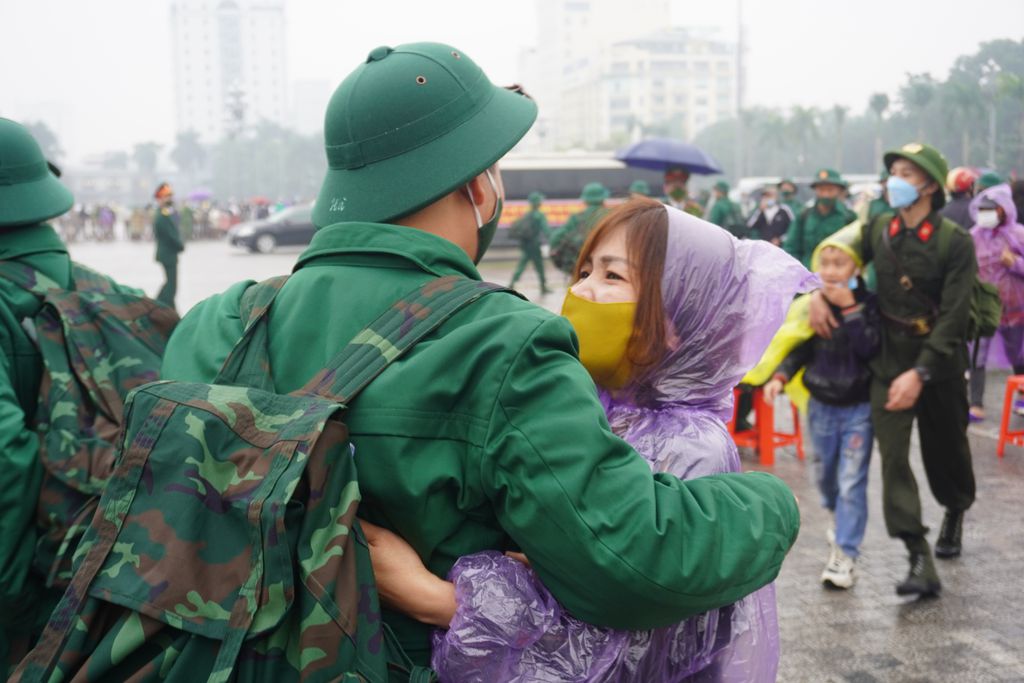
604 331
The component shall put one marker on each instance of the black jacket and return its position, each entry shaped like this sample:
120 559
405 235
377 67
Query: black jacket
836 370
958 210
773 230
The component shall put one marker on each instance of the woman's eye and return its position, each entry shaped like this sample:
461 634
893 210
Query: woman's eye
584 274
613 276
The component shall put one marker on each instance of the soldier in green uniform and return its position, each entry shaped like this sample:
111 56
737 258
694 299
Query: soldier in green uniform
926 270
567 241
788 196
30 195
677 193
168 242
725 213
814 224
488 434
530 230
879 204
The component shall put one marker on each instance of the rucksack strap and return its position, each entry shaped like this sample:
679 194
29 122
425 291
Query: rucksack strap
370 352
28 278
391 335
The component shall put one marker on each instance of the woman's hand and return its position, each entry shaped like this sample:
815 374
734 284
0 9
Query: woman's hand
820 316
772 390
403 581
1008 257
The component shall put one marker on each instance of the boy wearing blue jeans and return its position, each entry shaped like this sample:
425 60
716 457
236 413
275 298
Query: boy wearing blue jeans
837 377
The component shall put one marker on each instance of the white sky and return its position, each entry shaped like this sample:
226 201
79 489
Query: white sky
99 71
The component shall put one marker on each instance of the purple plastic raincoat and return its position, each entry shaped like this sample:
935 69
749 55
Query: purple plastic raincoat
725 300
989 244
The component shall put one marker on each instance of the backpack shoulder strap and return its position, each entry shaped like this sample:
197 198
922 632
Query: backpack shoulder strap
28 278
391 335
248 363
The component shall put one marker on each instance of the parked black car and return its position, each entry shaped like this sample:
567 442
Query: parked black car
290 226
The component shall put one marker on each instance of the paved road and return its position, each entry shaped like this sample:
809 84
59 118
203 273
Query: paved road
974 632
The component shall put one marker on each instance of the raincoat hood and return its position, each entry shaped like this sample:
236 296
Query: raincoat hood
724 299
1001 195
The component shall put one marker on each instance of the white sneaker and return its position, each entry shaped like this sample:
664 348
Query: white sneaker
840 572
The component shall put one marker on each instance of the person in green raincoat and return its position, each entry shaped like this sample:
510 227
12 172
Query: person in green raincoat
639 188
168 242
788 196
814 224
879 204
530 230
677 193
30 195
488 434
567 241
726 213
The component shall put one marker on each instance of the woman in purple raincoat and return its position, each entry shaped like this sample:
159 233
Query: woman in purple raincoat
999 247
721 301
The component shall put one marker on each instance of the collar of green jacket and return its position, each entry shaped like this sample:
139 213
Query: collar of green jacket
354 243
29 239
40 247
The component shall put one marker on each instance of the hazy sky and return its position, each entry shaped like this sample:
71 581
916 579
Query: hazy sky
99 71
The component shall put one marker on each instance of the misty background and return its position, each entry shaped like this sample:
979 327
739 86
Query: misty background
229 94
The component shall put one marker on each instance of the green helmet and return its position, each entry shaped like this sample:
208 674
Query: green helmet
410 125
535 198
929 159
990 179
722 187
828 176
594 193
640 187
29 189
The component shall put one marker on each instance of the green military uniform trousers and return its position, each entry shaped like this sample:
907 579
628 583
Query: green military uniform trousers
170 289
529 252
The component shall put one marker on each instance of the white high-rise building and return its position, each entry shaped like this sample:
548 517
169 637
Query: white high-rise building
229 65
605 71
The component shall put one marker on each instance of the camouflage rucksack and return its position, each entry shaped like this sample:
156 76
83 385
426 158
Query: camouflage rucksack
97 343
226 546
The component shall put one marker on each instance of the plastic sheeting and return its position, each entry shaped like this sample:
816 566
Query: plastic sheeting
725 299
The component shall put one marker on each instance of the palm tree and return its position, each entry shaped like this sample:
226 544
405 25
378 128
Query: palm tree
839 114
962 97
803 126
878 103
916 95
188 154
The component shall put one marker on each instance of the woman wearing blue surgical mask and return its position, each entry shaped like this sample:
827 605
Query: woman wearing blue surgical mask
670 312
999 246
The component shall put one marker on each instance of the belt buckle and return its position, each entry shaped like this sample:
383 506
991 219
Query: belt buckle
921 326
906 283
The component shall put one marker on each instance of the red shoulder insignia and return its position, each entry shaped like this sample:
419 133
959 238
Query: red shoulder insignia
926 231
894 227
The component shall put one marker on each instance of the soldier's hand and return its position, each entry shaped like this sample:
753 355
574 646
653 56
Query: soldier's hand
821 319
904 391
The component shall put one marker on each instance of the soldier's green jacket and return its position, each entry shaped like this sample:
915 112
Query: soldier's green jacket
21 590
536 224
168 238
949 283
490 435
726 214
810 227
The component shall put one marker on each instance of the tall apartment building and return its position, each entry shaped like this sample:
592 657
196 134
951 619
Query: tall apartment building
229 65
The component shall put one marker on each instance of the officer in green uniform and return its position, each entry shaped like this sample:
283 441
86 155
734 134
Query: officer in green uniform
531 229
879 204
926 269
788 196
488 434
168 242
725 213
814 224
567 241
639 188
677 193
30 195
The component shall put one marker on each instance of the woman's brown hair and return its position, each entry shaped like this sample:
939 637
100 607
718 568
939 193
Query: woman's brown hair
646 223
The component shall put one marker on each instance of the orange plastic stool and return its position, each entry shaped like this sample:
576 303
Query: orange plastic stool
1016 437
763 438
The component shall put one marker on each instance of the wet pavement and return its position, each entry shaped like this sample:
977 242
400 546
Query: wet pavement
974 632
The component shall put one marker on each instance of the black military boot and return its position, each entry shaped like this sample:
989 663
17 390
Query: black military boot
948 544
922 580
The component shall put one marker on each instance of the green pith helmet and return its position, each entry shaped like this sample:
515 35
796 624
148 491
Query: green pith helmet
722 187
594 193
929 159
535 199
410 125
29 189
640 187
990 179
829 176
785 181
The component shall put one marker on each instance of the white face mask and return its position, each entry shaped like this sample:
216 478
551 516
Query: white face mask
988 218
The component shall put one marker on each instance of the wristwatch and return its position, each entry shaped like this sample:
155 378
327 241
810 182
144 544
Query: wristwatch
924 373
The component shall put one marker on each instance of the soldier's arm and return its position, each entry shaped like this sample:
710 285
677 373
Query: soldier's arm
618 545
20 478
954 304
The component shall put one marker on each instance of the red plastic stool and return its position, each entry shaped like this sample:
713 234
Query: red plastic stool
763 438
1016 437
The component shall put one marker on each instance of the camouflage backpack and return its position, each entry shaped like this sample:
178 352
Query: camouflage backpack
97 343
226 546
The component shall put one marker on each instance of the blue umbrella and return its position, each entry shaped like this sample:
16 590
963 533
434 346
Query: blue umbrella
662 154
